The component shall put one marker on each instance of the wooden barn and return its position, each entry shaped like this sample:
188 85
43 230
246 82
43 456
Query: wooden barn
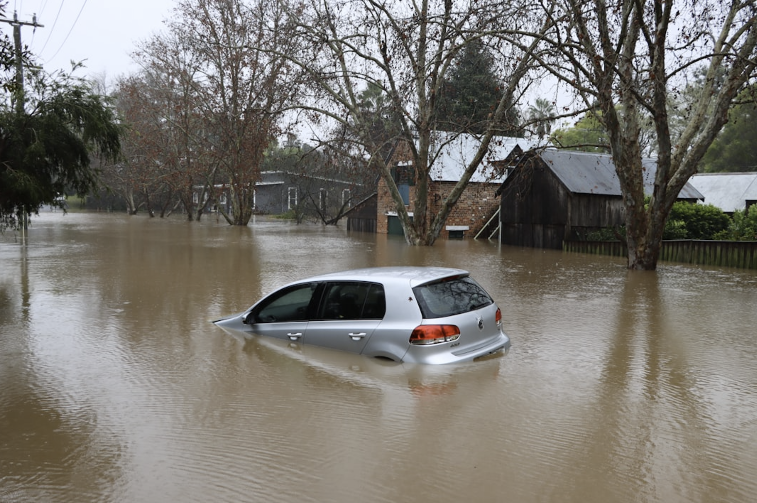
552 195
362 216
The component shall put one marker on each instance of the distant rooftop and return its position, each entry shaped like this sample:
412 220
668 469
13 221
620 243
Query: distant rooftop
727 191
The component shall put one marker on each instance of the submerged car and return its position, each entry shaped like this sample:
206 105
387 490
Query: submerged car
406 314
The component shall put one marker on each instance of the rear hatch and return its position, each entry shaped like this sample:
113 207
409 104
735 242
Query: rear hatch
469 318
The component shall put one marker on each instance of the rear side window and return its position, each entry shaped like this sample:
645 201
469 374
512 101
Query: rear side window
351 300
451 296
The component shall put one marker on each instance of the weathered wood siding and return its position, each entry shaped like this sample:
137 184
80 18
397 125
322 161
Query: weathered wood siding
362 217
594 211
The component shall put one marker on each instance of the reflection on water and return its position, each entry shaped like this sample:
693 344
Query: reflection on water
115 387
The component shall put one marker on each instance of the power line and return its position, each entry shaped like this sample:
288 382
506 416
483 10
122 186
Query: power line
72 28
52 29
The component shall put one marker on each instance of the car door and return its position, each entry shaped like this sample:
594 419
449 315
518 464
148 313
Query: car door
285 313
347 316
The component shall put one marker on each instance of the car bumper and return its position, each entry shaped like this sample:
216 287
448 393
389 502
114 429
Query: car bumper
442 355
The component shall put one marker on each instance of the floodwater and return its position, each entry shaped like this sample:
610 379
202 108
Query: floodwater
115 386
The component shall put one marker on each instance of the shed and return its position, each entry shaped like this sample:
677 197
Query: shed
552 195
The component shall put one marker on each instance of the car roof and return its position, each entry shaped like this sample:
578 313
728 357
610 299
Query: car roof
400 274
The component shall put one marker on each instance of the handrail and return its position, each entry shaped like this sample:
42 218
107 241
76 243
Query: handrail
495 214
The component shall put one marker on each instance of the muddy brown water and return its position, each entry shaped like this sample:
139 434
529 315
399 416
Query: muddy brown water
115 386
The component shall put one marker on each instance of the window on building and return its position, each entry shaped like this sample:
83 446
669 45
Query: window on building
292 198
404 190
404 177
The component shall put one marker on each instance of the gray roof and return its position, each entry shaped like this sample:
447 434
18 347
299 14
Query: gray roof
727 191
588 173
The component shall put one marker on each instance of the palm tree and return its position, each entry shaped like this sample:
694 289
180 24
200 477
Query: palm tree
542 114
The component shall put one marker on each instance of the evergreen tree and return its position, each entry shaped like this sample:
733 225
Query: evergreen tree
46 152
383 124
735 148
469 96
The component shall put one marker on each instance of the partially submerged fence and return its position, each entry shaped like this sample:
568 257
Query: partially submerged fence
741 254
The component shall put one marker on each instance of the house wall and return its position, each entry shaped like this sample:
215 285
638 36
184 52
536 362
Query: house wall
385 205
270 199
475 206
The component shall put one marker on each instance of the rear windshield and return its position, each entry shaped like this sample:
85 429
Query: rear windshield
451 296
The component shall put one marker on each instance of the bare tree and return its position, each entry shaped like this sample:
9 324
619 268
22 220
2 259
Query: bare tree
242 88
405 50
168 137
629 56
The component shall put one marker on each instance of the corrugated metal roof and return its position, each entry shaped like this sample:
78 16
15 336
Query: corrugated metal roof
727 191
588 173
457 149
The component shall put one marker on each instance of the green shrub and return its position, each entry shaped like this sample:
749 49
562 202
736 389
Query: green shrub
743 226
675 229
695 221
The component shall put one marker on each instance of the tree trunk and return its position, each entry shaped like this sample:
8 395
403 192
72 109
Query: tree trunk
241 206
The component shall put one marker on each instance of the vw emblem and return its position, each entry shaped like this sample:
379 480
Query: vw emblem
480 324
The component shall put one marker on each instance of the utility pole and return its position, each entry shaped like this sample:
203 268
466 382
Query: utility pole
20 75
19 52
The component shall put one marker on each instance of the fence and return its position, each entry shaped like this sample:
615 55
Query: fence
742 254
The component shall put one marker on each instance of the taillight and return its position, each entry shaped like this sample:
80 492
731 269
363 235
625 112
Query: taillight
498 317
434 334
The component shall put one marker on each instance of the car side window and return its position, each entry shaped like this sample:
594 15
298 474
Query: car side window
352 300
290 304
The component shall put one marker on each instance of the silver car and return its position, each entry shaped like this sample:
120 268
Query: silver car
406 314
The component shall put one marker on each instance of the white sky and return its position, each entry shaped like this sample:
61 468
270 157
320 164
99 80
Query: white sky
102 33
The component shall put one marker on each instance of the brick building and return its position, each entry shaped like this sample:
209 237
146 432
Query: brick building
478 202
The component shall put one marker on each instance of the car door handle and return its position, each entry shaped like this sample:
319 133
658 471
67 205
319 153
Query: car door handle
294 336
357 336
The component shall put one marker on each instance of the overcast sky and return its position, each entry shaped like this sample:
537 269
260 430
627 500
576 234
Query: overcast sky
102 32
